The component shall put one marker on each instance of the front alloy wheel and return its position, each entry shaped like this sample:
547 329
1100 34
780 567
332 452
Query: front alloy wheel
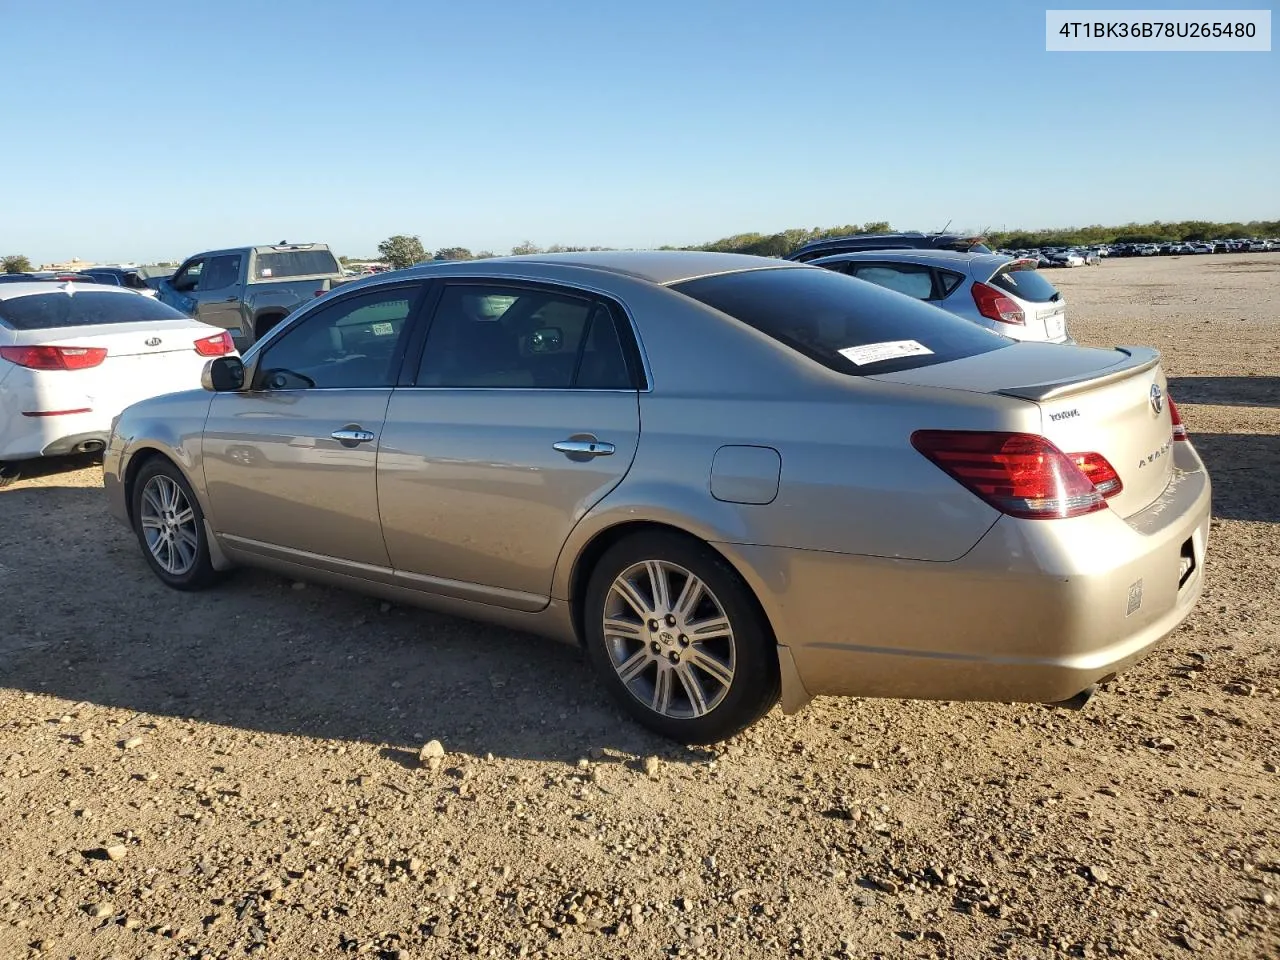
169 524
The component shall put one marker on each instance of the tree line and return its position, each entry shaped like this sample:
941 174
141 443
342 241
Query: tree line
404 250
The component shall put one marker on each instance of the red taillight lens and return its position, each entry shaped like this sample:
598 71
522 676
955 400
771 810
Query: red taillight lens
1101 474
219 345
1020 474
994 305
54 358
1179 430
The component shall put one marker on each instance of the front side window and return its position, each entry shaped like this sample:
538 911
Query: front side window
187 276
354 342
516 337
220 272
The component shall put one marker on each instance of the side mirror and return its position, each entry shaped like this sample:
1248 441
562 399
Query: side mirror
223 375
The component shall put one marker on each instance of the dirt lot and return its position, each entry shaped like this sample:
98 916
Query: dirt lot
237 772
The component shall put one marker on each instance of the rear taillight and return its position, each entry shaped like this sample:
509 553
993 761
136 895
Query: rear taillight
54 358
1179 430
219 345
1101 474
994 305
1020 474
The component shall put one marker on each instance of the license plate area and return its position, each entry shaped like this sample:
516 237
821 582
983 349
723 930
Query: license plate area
1186 563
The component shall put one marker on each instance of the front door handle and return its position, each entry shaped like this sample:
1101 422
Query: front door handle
352 435
584 447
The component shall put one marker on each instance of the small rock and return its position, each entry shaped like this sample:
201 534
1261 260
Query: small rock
1074 742
1268 900
131 743
117 851
651 765
100 910
431 750
887 884
1099 874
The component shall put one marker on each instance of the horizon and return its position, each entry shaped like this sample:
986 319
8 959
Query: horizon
631 128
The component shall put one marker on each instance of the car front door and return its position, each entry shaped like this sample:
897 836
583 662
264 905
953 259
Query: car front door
178 291
217 295
290 462
522 414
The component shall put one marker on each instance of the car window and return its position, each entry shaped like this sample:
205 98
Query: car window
914 281
498 336
220 272
187 277
851 327
47 311
1026 283
352 342
948 281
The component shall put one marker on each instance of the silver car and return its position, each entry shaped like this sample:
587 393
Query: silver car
729 478
1005 294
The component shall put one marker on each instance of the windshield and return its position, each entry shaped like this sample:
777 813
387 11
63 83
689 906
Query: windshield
1026 283
81 308
846 324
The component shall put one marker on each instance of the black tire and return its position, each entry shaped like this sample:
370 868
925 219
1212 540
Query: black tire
754 687
265 325
9 473
200 573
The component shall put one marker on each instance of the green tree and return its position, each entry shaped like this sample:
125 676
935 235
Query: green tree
453 253
520 249
15 263
402 251
485 255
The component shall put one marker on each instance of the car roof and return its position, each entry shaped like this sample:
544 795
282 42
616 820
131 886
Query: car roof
662 267
923 257
10 291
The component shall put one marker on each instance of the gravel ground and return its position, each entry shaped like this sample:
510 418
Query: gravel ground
239 773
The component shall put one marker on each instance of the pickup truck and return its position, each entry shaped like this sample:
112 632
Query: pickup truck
248 290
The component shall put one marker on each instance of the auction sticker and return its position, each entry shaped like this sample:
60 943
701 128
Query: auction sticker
889 350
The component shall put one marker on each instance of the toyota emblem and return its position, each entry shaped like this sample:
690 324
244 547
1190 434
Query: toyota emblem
1157 398
155 342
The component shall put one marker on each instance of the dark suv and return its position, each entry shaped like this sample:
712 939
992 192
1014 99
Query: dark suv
888 241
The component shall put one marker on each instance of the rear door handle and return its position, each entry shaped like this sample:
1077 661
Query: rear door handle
584 448
352 435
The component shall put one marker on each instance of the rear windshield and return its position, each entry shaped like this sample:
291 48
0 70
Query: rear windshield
848 325
293 263
1026 283
49 311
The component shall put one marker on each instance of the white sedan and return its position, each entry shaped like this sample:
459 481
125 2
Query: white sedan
73 356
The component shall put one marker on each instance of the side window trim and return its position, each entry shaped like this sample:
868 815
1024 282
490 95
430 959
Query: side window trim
624 328
412 322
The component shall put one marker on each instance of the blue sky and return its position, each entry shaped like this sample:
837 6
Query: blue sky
157 130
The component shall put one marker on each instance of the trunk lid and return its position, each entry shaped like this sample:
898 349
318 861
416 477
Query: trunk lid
1111 402
141 339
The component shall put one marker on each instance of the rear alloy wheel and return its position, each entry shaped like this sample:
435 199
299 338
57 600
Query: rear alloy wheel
9 473
170 527
679 639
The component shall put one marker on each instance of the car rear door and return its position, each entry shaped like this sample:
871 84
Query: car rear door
522 414
290 464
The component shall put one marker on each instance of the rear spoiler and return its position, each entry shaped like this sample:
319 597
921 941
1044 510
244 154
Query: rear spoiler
1136 360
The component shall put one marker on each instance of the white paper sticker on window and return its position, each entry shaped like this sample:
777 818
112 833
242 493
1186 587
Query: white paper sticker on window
891 350
264 272
382 329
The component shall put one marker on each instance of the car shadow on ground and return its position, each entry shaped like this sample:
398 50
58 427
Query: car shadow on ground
52 466
1227 391
1242 467
87 621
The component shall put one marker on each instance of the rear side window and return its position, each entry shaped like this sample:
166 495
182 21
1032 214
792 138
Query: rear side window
851 327
1025 283
49 311
905 278
275 264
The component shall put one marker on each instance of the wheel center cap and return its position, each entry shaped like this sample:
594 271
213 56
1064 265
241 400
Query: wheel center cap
666 638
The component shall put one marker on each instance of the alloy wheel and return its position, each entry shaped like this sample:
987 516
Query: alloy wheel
169 525
669 639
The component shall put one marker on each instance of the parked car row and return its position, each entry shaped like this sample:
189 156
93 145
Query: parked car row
1060 256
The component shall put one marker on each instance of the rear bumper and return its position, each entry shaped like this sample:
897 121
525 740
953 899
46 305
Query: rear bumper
1037 611
34 437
